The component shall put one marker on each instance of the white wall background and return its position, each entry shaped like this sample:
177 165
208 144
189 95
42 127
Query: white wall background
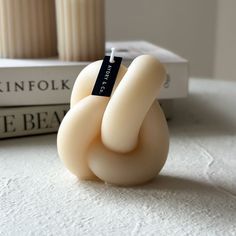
195 29
225 61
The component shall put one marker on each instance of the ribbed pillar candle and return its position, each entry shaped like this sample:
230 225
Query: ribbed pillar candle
80 29
27 28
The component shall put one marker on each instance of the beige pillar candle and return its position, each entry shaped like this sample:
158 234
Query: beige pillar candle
80 29
27 28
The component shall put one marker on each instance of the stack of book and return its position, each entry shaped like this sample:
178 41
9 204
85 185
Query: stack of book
35 94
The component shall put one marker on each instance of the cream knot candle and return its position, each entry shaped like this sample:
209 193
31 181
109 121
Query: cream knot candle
122 139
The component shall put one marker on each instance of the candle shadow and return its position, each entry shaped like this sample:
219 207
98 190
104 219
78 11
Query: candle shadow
165 183
196 117
169 195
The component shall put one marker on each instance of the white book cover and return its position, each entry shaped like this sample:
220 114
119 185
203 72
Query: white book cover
50 81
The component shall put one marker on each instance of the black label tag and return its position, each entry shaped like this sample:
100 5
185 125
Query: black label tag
107 77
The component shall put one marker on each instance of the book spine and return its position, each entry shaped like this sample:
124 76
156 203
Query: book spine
176 84
53 84
24 121
37 85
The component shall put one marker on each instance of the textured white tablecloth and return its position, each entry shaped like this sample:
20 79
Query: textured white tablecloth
194 195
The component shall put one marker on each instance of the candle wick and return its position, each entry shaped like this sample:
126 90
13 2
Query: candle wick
112 55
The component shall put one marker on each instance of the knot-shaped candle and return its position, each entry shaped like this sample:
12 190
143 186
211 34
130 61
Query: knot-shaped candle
122 139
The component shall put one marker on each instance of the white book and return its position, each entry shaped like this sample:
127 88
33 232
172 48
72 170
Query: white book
34 120
50 81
